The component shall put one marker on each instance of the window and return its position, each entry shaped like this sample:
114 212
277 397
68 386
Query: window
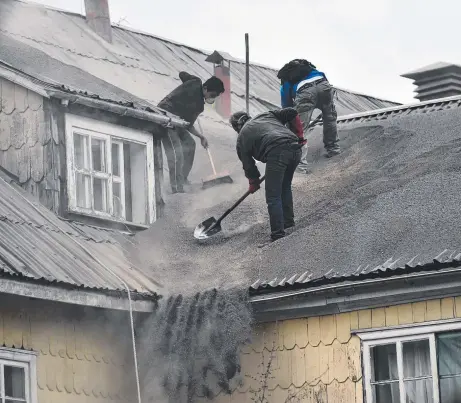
110 171
17 377
423 367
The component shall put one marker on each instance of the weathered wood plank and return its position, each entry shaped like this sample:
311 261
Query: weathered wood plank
17 139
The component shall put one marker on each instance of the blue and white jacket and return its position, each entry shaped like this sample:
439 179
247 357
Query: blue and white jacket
288 91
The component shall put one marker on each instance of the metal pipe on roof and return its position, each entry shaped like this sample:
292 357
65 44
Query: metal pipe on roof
247 74
163 120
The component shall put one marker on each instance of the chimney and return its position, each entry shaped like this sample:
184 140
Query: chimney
223 103
438 80
98 18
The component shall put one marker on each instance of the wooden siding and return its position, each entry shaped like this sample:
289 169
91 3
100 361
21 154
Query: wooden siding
316 359
83 354
28 142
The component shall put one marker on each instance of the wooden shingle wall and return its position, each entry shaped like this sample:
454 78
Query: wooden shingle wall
316 359
29 142
83 354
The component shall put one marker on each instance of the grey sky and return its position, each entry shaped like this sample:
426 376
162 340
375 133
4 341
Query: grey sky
362 45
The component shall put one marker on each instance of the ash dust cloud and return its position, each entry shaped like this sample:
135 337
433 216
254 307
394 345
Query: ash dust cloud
189 348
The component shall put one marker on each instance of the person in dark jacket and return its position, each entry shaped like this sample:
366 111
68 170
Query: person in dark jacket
307 92
275 138
186 101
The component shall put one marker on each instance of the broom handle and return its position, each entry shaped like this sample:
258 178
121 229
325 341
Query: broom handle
247 193
211 160
208 148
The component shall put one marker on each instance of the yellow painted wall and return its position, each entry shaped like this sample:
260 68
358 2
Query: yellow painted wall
81 352
316 359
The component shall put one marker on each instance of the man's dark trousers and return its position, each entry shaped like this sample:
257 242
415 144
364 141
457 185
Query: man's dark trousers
280 168
180 152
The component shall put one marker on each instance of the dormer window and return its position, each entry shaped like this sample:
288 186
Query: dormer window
110 171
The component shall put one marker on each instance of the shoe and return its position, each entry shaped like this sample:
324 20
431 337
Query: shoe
332 153
268 242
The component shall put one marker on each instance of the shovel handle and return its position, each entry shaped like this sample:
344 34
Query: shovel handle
211 160
247 193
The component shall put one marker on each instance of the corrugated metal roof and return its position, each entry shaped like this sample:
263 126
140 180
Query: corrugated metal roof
392 267
36 244
401 110
144 64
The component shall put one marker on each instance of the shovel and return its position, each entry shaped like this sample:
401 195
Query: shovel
211 226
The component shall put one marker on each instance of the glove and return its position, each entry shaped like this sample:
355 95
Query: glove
254 185
302 141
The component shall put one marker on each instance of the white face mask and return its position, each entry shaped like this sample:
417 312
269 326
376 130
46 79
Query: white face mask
210 100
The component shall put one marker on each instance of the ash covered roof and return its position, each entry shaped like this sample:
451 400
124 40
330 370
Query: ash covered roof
36 245
390 199
143 64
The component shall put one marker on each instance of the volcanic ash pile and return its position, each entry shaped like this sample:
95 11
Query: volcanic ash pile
190 346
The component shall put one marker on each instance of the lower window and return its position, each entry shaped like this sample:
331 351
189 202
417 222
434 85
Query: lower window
424 368
17 377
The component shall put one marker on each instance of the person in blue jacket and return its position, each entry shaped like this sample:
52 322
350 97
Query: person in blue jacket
305 88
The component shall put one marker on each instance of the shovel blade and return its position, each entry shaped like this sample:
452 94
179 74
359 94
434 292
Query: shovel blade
207 228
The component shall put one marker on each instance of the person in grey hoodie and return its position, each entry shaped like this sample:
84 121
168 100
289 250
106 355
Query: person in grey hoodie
275 138
186 101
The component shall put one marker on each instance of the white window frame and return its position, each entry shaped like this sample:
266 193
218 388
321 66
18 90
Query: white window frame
397 336
112 134
22 359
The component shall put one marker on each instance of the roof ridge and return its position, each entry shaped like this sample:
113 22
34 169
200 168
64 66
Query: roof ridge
394 110
135 31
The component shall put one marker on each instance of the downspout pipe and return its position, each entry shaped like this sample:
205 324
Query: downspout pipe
164 120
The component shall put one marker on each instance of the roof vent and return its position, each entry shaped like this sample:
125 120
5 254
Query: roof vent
98 18
438 80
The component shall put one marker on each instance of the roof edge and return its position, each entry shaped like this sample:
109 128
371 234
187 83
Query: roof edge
396 109
75 295
366 95
353 296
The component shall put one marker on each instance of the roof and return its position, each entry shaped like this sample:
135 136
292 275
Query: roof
33 67
389 197
140 63
37 245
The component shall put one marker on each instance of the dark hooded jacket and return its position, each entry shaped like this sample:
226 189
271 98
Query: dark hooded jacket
262 134
185 101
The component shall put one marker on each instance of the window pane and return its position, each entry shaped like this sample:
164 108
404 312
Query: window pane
449 353
116 159
419 391
450 390
15 382
98 152
117 195
384 359
416 359
82 183
80 151
387 393
138 181
100 194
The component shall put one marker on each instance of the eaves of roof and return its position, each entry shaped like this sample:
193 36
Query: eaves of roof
126 108
401 110
390 268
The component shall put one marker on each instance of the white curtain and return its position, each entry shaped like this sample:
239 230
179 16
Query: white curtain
417 364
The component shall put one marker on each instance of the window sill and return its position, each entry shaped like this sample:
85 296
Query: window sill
105 222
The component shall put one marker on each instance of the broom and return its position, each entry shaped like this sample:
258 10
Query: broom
215 179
